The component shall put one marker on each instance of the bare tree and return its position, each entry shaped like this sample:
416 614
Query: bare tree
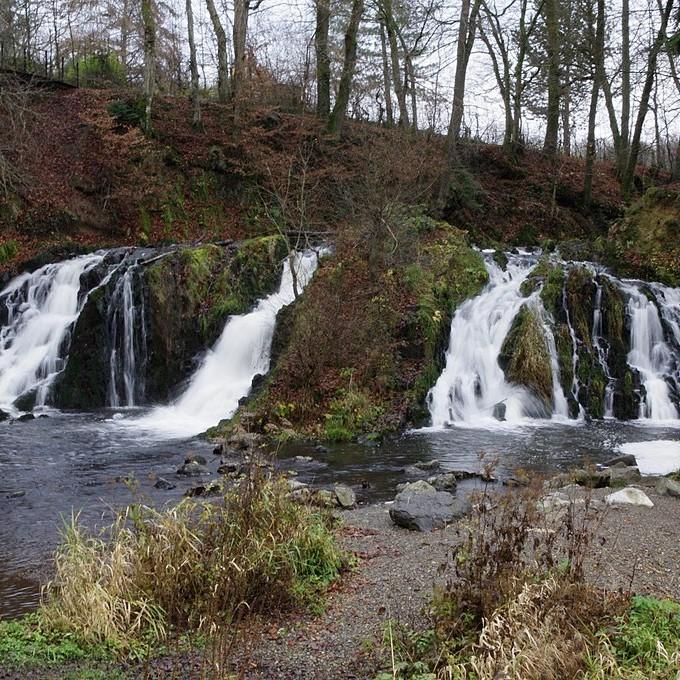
149 22
222 52
193 68
323 60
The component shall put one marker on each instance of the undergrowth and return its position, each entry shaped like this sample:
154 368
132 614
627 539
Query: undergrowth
195 569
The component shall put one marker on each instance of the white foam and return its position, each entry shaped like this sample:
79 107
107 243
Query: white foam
659 457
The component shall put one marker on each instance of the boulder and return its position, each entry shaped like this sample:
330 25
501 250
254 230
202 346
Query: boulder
623 475
629 496
164 484
15 494
668 487
323 498
25 418
626 459
499 411
193 458
593 479
295 485
446 481
345 496
428 465
3 415
193 470
419 506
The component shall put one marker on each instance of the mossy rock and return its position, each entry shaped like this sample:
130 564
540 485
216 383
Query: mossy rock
646 243
524 356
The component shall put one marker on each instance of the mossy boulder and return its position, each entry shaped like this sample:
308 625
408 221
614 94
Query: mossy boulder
524 356
646 243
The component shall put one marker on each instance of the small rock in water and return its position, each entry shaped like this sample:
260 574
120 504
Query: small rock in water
345 496
193 469
499 411
433 464
320 448
629 496
25 418
668 487
164 484
303 459
204 490
193 458
626 459
16 494
3 415
371 439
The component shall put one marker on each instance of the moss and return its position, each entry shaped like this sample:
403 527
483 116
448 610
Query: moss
646 243
524 356
580 292
350 413
8 250
549 277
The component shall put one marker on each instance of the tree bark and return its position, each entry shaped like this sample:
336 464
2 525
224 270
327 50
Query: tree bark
149 24
553 115
193 68
349 64
634 150
323 61
241 10
399 91
598 57
222 53
625 73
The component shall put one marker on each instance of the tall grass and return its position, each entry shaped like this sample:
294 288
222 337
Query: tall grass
193 566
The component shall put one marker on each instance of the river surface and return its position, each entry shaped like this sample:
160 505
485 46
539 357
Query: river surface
62 464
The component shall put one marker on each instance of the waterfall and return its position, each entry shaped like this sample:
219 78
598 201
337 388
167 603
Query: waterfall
649 354
575 386
602 351
472 382
560 405
227 371
40 310
127 332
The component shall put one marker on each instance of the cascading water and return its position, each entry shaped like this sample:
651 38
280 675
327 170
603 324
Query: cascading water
127 331
472 382
560 405
602 351
39 309
227 371
575 386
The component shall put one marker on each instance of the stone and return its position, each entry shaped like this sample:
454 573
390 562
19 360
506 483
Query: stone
16 494
668 487
229 468
323 498
623 476
303 459
295 485
419 506
593 479
446 481
204 490
193 458
320 448
345 496
3 415
371 439
193 470
627 459
499 411
433 464
164 484
25 418
629 496
244 440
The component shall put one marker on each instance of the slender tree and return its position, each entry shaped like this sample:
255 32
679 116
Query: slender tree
323 60
193 68
149 24
553 43
222 52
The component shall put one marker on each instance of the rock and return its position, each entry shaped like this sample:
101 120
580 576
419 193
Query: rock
668 487
192 458
629 496
623 476
16 494
164 484
3 415
499 411
320 448
593 479
193 470
25 418
371 439
204 490
295 485
626 459
433 464
244 440
303 459
446 481
323 498
421 507
229 468
345 496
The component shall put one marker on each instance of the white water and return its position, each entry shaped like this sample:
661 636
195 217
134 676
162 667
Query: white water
128 352
649 355
560 405
227 371
601 351
41 307
659 457
472 382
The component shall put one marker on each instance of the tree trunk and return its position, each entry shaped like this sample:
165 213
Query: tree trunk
241 10
634 151
386 76
394 57
349 64
552 128
590 147
193 68
149 24
222 53
625 73
323 60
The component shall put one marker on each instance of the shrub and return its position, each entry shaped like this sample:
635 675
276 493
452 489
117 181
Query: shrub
128 113
8 250
192 566
97 70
